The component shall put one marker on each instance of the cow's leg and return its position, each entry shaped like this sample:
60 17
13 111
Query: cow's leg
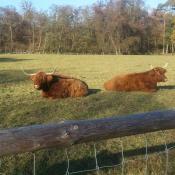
150 90
44 95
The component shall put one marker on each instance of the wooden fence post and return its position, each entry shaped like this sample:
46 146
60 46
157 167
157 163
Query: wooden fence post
64 134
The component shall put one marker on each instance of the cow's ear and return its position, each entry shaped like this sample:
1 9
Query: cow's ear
49 78
152 72
32 77
156 70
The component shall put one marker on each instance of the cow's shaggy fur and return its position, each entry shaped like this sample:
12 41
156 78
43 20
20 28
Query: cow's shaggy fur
59 86
144 81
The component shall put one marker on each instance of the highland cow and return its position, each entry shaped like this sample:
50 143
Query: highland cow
144 81
55 85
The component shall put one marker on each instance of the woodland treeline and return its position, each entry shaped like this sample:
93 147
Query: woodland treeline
106 27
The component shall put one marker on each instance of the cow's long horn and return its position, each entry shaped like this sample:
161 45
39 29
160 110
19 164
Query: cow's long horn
25 73
166 65
54 71
151 66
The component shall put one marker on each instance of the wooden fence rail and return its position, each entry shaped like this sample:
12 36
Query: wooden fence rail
64 134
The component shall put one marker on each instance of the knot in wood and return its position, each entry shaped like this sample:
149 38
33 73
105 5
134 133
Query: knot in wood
65 135
75 127
62 121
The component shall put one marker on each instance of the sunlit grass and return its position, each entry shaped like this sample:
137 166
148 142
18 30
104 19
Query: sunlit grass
21 105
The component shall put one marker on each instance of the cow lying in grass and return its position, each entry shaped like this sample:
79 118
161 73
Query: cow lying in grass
54 85
144 81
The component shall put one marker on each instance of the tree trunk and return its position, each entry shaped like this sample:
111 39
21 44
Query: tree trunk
167 48
113 44
40 40
172 48
164 31
11 38
148 44
33 38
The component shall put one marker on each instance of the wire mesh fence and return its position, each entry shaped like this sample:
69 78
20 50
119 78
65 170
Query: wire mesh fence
106 156
123 161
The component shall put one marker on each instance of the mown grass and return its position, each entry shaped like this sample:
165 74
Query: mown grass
21 105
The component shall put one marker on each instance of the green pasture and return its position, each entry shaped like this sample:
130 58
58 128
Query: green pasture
21 105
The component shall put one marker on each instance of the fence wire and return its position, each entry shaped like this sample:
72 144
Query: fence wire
34 164
122 163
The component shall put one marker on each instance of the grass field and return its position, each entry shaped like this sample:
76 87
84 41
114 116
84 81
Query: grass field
21 105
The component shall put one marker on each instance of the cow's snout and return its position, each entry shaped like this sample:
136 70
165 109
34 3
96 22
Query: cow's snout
36 86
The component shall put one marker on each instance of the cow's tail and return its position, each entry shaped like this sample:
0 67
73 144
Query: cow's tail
105 85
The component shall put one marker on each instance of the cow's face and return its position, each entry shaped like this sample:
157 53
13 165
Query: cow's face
159 74
41 80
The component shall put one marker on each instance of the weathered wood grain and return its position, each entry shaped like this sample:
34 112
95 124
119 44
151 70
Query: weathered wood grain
64 134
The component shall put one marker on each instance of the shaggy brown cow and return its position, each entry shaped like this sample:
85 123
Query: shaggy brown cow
144 81
55 85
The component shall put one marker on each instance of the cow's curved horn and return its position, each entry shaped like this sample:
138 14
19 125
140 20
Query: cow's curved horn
25 73
54 71
166 65
151 66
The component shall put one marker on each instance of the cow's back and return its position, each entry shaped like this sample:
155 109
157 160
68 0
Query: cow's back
116 83
78 88
68 88
128 82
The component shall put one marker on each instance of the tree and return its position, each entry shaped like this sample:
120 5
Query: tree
29 16
107 27
11 19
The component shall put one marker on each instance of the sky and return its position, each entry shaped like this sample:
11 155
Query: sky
45 4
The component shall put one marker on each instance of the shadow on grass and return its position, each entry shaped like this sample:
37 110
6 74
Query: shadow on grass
94 91
12 76
121 103
105 158
100 105
12 60
16 76
169 87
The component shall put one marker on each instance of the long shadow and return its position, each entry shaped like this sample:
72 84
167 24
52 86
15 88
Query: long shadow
97 107
16 76
169 87
93 91
13 76
12 60
105 158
